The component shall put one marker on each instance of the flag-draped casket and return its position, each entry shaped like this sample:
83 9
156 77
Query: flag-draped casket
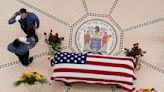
73 68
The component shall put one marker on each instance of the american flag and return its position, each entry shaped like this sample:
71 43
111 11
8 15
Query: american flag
73 68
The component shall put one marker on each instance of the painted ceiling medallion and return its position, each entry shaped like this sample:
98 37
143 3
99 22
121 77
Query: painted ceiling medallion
96 36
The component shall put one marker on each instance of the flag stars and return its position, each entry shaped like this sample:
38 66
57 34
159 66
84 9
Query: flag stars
58 53
61 55
61 60
68 60
75 61
79 54
56 62
83 56
65 57
76 56
79 58
82 61
69 55
72 58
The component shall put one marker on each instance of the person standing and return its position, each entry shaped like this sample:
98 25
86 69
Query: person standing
21 46
28 22
105 39
87 39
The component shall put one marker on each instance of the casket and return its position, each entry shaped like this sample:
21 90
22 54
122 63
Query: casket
72 68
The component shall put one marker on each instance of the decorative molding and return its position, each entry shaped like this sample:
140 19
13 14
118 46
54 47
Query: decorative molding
98 15
152 66
72 26
121 44
68 88
43 12
144 24
113 7
84 5
65 47
17 62
70 37
118 52
79 20
115 23
72 49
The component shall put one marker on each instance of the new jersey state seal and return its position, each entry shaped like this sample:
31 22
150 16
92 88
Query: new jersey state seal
96 36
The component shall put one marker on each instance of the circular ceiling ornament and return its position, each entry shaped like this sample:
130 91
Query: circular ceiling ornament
96 36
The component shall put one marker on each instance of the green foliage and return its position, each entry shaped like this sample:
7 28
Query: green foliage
30 78
53 40
135 51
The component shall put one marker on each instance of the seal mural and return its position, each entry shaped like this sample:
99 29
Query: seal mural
96 36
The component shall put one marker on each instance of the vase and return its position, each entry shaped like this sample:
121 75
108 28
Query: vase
137 64
50 54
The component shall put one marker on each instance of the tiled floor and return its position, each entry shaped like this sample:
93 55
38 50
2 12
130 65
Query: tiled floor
139 20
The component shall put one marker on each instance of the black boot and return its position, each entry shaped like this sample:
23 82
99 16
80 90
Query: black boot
36 38
30 60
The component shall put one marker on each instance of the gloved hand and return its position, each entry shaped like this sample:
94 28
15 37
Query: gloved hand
23 40
18 17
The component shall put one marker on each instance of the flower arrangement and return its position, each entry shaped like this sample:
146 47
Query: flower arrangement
146 90
53 40
136 53
30 78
